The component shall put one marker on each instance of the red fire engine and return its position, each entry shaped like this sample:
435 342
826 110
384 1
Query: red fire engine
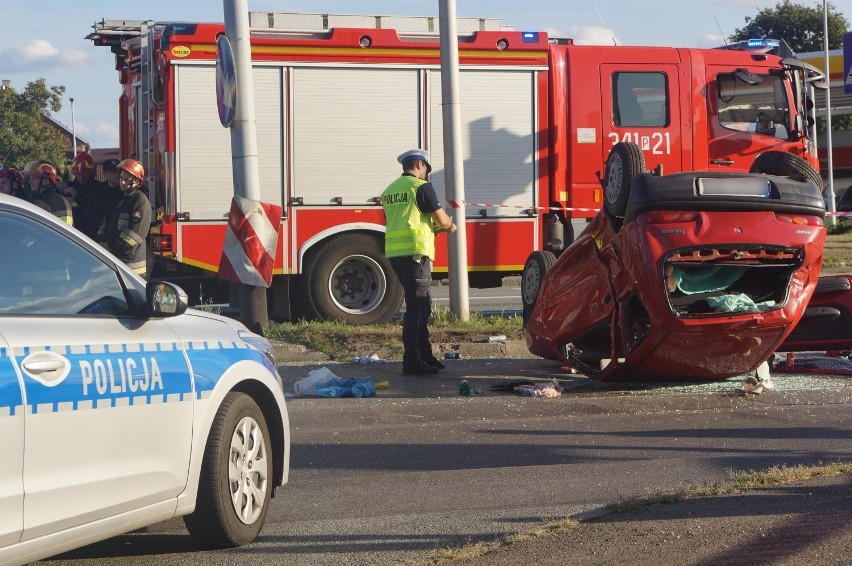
335 106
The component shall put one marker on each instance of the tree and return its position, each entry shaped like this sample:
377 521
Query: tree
800 26
24 134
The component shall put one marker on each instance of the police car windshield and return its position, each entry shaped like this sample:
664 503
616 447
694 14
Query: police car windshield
42 272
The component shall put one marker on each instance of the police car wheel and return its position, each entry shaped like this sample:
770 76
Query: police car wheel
235 485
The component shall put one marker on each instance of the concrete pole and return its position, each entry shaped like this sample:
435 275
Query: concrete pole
453 159
73 130
832 219
253 312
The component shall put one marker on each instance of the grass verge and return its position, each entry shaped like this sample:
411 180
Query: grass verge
342 341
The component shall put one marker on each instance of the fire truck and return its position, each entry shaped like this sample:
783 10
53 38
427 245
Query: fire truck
337 98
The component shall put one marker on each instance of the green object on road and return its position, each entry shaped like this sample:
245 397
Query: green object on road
464 387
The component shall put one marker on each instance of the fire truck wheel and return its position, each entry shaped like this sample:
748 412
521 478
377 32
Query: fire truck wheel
537 265
786 165
350 279
236 476
624 163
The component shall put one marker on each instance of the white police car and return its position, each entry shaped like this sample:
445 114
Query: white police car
119 407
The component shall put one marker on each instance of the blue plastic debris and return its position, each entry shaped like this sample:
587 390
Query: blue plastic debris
351 387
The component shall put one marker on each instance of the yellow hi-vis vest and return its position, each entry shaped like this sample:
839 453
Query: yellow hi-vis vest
409 231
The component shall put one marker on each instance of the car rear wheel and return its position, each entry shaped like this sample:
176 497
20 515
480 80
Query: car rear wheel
624 163
235 485
786 164
538 264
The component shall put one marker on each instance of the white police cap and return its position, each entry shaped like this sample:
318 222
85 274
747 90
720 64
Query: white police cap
420 154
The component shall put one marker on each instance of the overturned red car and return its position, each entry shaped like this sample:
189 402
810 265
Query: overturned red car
689 276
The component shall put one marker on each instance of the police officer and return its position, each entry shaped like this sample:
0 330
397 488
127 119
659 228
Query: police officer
413 215
125 227
47 191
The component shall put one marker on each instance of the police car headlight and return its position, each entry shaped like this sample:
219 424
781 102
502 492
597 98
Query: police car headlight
260 343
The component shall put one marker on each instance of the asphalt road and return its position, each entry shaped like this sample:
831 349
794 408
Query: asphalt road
391 479
496 300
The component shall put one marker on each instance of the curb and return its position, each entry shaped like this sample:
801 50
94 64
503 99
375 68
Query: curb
288 353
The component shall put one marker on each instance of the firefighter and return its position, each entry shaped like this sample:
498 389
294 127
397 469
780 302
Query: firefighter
103 197
81 188
47 191
413 215
124 230
11 182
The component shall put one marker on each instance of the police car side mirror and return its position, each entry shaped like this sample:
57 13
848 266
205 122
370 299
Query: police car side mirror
164 299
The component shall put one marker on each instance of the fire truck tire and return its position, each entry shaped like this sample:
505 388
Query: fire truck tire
786 165
624 163
536 267
349 279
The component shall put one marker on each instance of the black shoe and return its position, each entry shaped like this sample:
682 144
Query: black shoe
434 362
419 369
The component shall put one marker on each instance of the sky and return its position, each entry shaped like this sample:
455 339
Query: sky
46 38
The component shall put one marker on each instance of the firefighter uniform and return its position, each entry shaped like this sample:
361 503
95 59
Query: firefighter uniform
125 229
50 200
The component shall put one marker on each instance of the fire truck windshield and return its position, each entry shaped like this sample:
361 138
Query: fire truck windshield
757 107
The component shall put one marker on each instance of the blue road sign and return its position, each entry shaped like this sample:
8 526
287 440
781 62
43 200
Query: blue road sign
226 81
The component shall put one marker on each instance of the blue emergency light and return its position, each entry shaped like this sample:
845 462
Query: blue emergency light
529 37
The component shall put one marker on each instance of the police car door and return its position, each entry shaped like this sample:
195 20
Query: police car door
12 446
108 396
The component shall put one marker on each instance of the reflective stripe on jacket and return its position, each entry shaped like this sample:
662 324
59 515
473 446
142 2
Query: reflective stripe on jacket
50 200
409 231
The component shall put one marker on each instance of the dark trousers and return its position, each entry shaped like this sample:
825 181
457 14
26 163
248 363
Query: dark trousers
416 280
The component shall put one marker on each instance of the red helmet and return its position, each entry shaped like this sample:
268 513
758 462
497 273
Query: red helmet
41 169
84 164
12 174
134 168
19 177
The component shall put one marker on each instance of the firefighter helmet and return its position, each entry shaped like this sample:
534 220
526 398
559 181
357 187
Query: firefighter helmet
134 168
84 164
13 175
42 169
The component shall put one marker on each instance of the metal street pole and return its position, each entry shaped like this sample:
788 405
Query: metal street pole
73 130
253 312
832 219
453 159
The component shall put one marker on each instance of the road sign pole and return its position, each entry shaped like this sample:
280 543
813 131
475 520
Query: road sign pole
253 308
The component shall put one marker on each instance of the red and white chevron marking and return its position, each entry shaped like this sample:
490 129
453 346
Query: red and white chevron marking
250 242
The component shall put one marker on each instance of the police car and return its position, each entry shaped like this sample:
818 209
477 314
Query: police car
119 407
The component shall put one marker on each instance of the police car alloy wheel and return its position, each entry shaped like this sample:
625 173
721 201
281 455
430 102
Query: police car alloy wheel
236 476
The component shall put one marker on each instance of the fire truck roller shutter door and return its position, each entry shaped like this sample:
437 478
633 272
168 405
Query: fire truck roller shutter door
349 278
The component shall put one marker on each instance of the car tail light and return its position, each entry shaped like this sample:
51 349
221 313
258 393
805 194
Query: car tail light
670 216
800 220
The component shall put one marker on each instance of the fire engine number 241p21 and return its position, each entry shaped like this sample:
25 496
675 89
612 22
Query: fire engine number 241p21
338 97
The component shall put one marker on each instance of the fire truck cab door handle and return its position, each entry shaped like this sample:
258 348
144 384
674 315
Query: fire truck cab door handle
722 161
